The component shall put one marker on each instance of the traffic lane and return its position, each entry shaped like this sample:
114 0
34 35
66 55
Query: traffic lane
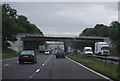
22 71
13 61
16 70
64 69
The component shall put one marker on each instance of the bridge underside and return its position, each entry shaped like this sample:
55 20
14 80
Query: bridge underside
61 39
34 42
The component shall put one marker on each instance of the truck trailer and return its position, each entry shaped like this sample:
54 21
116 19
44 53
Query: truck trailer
42 48
101 48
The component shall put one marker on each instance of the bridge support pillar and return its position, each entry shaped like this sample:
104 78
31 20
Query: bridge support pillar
66 45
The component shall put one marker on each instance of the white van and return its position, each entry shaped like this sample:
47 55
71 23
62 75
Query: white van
88 51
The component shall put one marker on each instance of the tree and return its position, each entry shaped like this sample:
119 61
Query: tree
12 24
102 30
8 24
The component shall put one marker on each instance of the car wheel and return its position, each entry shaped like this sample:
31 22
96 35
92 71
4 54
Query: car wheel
20 62
33 61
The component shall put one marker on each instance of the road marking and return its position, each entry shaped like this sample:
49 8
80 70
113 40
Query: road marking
43 64
45 61
37 70
6 65
9 59
89 69
31 76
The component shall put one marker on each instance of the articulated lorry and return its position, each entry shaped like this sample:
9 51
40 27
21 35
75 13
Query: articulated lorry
101 48
42 48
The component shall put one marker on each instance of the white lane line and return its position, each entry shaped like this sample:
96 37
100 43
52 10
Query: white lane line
45 61
89 69
9 59
38 70
43 64
6 65
31 76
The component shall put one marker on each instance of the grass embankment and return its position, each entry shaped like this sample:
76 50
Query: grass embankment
8 53
104 67
114 52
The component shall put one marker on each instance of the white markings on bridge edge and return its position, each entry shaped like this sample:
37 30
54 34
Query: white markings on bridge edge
89 69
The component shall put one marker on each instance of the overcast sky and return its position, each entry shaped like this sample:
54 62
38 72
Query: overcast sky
67 18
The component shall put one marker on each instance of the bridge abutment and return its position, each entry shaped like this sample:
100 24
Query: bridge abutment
66 45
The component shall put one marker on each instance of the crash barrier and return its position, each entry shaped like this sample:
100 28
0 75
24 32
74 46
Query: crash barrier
115 60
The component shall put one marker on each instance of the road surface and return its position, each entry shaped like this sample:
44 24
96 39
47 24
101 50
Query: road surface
48 67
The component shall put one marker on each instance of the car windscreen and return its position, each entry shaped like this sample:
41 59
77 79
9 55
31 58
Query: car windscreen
88 49
26 52
105 48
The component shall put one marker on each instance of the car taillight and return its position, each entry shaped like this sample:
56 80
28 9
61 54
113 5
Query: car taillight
32 56
20 56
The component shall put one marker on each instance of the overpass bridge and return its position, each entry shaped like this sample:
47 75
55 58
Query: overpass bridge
28 38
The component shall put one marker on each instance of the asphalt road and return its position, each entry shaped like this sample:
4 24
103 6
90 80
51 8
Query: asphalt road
48 67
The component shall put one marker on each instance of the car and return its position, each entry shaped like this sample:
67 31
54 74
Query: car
77 52
47 52
87 51
55 52
27 56
60 54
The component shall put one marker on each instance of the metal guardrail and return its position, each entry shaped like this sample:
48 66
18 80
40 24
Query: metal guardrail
106 58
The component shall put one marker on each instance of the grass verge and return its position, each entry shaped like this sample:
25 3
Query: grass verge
103 67
9 56
8 53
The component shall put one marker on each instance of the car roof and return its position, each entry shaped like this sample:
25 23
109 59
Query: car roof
27 52
88 47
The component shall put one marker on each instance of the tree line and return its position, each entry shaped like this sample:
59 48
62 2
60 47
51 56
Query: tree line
103 31
12 24
112 31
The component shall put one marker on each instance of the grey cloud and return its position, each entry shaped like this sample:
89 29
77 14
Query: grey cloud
67 18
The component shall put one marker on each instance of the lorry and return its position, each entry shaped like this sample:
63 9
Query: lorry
87 51
42 48
101 48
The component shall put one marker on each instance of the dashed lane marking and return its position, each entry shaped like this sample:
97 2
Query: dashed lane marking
6 65
9 59
43 64
38 70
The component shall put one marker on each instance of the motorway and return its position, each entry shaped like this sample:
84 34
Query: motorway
48 67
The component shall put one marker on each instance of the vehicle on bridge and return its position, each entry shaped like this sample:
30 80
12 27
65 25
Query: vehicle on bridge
87 51
27 56
102 48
